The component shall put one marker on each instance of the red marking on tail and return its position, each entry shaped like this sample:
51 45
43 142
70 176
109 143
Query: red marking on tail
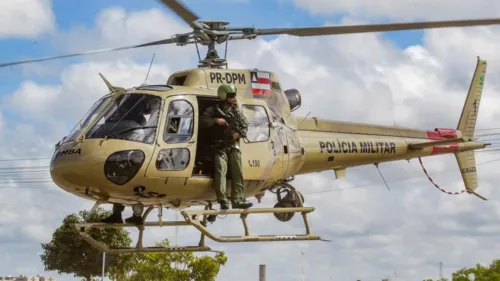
433 135
440 133
447 133
440 149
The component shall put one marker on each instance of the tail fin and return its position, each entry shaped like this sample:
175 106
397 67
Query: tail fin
467 122
467 125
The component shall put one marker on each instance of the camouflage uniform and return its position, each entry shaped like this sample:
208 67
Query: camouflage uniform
226 151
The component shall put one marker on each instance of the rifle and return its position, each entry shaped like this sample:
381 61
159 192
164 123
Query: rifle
235 125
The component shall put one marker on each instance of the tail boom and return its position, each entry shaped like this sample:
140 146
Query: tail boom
338 145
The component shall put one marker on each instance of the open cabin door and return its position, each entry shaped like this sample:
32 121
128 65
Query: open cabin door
175 151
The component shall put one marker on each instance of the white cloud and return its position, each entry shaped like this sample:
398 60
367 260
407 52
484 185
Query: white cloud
80 82
408 10
359 78
26 18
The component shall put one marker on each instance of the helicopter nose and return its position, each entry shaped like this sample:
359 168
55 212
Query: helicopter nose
95 165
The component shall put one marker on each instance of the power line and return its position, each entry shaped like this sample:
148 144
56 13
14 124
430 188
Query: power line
24 159
41 180
38 186
377 184
441 270
306 193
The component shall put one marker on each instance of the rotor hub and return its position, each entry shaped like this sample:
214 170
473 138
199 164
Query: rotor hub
213 32
215 24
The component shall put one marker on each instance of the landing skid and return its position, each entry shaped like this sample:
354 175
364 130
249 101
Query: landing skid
192 218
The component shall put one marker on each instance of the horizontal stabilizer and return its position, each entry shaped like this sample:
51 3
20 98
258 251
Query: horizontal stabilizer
434 143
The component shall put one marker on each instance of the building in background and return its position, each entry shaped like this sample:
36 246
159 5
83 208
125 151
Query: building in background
27 278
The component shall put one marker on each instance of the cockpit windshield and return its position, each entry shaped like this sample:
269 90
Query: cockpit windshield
131 117
91 114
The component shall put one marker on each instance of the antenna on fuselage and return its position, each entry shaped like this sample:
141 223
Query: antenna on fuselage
112 89
303 118
376 165
150 64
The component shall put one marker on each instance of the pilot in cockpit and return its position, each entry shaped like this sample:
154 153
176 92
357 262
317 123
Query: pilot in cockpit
126 119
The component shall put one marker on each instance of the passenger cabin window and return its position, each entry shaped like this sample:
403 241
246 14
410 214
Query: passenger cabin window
258 123
174 159
180 122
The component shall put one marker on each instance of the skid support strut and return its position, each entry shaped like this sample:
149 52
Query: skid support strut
192 218
84 228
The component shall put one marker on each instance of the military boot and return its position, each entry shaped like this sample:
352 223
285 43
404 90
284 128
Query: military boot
223 205
242 205
116 217
135 220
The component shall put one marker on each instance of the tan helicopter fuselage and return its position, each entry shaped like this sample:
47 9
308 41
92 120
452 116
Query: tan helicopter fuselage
279 147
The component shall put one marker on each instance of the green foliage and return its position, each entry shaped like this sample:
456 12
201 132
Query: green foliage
479 273
476 273
175 266
68 253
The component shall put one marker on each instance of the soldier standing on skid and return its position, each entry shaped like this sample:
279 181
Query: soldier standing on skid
228 126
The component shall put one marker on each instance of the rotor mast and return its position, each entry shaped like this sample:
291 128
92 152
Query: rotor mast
211 33
212 58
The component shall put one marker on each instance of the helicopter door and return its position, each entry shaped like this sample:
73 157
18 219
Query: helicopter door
176 150
279 149
293 153
256 148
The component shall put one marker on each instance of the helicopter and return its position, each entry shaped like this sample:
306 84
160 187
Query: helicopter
168 165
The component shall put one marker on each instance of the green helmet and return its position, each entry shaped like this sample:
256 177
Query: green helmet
226 91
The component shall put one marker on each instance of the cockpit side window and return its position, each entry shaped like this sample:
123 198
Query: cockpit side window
180 122
258 123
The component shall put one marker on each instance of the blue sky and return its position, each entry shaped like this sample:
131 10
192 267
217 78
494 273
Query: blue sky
69 14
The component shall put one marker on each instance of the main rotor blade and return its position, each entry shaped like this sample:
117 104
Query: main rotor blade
182 11
347 29
160 42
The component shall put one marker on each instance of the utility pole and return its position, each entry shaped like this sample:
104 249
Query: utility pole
441 270
262 272
103 265
302 264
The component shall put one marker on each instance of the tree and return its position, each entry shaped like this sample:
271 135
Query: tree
174 266
476 273
68 253
479 273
